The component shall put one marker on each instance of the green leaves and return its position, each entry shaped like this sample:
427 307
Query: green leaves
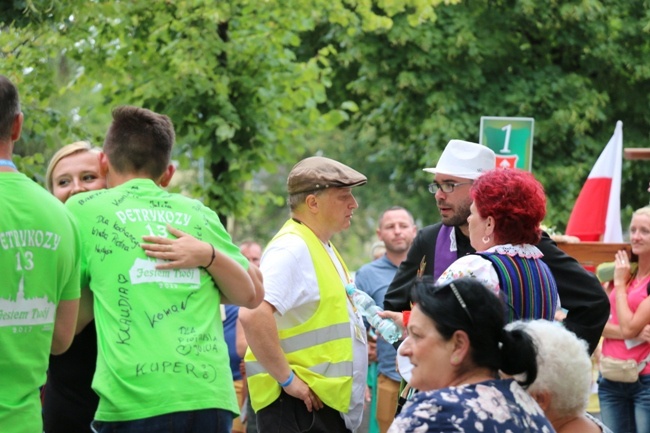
252 86
576 67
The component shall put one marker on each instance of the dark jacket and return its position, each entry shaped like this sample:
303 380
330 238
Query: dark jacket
579 290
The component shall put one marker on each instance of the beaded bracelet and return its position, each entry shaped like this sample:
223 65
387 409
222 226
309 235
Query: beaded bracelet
288 381
213 255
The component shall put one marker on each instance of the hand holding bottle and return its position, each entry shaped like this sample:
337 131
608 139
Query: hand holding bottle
387 328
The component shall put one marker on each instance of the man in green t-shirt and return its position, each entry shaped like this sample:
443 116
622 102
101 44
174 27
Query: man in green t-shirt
162 359
39 293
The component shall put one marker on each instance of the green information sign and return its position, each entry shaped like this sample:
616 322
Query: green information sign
511 138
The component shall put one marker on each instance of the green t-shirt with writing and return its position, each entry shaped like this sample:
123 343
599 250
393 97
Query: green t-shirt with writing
39 264
160 338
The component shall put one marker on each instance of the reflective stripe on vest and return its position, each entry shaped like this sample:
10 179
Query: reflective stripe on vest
315 337
326 369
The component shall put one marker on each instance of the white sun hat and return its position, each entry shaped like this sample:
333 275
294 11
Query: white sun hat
464 159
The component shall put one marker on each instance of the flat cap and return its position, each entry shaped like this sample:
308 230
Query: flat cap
317 172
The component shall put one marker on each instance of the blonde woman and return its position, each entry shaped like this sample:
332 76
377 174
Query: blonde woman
625 406
69 403
74 169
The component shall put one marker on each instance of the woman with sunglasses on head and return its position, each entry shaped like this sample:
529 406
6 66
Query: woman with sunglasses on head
504 227
457 345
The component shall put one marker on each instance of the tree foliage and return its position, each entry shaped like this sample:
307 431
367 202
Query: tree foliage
252 86
575 66
226 73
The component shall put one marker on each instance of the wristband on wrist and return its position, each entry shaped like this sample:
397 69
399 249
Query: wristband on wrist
214 253
288 381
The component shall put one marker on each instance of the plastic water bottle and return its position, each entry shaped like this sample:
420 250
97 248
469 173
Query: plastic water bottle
387 328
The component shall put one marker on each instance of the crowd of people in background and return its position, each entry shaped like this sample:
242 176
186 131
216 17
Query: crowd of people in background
127 308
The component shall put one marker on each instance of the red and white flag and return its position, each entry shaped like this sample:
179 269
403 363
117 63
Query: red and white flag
596 216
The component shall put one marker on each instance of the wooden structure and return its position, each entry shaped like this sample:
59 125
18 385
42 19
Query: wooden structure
591 254
633 153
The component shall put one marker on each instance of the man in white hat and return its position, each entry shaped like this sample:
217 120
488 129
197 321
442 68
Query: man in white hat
438 245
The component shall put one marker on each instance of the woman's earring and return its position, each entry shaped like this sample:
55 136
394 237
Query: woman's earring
486 239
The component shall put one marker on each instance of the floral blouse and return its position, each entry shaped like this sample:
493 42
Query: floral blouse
493 406
475 266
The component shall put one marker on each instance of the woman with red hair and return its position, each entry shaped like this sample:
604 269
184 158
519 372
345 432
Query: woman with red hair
504 227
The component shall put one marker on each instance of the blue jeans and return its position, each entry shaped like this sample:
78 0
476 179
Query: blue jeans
196 421
625 407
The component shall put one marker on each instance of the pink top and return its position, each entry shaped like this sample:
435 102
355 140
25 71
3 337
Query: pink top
628 349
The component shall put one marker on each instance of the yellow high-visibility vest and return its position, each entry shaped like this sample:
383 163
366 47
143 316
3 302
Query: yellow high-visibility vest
318 350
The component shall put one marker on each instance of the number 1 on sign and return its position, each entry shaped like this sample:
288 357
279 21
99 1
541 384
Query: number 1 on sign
506 142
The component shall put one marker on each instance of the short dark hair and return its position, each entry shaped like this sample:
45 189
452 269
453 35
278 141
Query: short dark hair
392 208
139 141
9 106
492 346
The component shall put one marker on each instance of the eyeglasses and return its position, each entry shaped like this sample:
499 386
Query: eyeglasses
461 301
446 187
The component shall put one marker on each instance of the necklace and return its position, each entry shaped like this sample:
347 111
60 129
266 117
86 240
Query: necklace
7 163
